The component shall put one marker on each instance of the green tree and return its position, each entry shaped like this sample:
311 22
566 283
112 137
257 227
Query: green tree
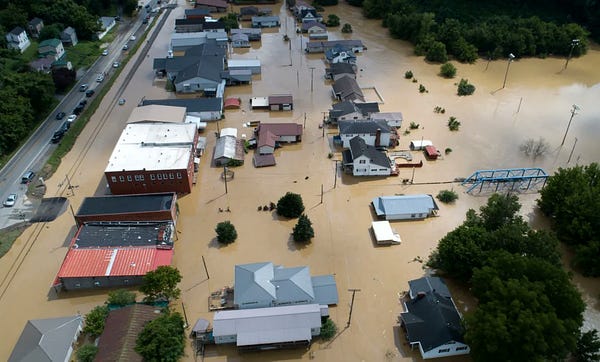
326 2
333 20
230 21
588 347
51 31
226 233
328 329
86 353
465 88
290 205
437 52
161 284
13 15
121 297
94 321
447 196
163 339
347 28
303 231
447 70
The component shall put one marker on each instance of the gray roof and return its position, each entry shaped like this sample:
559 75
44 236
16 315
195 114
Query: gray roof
337 50
350 127
348 89
246 31
68 30
432 320
210 47
341 68
428 284
239 37
253 282
197 12
293 284
106 21
125 204
332 43
120 233
325 289
225 147
208 68
35 21
367 108
265 19
358 147
404 204
17 30
309 24
46 339
192 105
248 10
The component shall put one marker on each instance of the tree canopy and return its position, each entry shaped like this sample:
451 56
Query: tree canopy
120 297
161 284
163 339
290 205
303 231
226 233
94 321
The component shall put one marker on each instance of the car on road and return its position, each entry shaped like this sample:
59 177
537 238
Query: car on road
83 102
105 52
57 136
60 115
71 118
121 101
125 47
100 78
89 92
77 110
10 200
83 87
27 177
116 64
132 38
145 21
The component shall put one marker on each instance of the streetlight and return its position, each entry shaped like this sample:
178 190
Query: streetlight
511 56
573 113
574 43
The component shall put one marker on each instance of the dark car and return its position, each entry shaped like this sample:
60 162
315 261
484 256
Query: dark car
60 115
83 102
57 136
89 93
77 110
27 177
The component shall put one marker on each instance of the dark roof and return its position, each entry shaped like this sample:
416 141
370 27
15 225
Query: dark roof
207 67
197 12
17 30
367 107
429 284
210 47
191 105
212 3
348 89
432 320
126 204
309 24
35 21
214 25
122 326
264 160
248 10
281 99
336 50
120 233
358 147
341 68
159 64
362 126
345 107
191 21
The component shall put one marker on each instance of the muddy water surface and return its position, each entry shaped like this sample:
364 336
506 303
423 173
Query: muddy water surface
494 122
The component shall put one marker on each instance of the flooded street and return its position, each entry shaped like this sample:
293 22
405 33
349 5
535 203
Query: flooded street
536 102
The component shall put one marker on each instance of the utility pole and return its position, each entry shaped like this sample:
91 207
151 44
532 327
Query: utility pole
225 177
187 324
510 59
312 69
351 305
572 149
69 186
335 174
304 121
321 193
205 268
574 110
574 43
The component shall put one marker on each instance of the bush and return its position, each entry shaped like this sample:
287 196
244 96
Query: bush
408 74
328 329
226 233
465 88
437 52
448 150
333 20
347 28
422 88
447 70
453 124
234 163
94 321
86 353
330 155
414 125
303 231
439 109
290 205
121 297
447 196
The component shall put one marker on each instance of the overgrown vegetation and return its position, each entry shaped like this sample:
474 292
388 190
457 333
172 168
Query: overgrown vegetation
422 89
162 339
226 233
414 125
439 109
347 28
230 20
94 321
448 70
161 284
290 205
534 149
447 196
465 88
120 298
86 353
332 20
328 329
303 231
453 124
408 74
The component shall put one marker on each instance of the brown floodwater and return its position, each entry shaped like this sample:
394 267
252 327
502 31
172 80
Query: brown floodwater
536 102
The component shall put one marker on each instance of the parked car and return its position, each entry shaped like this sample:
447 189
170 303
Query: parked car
116 64
105 52
83 87
125 47
57 136
100 78
83 102
60 115
121 101
10 200
132 38
89 93
27 177
71 118
77 110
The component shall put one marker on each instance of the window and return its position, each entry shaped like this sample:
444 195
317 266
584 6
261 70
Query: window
463 348
152 177
444 350
179 175
413 215
171 176
159 176
136 177
165 176
129 178
141 177
362 161
113 178
121 178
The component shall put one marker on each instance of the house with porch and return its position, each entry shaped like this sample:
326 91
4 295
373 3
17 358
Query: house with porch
361 159
351 110
34 26
340 54
431 320
69 37
17 39
240 41
347 89
51 49
315 30
393 119
265 21
269 135
374 133
308 15
336 71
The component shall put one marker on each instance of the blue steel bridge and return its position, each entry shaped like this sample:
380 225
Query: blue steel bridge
505 180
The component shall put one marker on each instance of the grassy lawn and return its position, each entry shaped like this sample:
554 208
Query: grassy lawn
9 235
30 53
84 53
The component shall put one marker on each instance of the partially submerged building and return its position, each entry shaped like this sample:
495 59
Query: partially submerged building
360 159
374 133
269 135
351 110
354 45
207 109
228 148
404 207
347 89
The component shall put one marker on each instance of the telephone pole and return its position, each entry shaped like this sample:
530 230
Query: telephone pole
351 305
312 69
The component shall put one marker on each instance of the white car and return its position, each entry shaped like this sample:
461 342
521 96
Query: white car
71 118
10 200
115 64
100 78
105 52
132 38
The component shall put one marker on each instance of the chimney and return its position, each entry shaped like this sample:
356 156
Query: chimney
378 137
420 295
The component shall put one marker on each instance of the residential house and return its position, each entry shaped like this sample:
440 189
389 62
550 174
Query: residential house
228 148
404 207
34 26
263 285
269 328
340 54
240 41
347 89
43 65
214 26
253 33
51 49
269 135
253 65
265 21
351 110
181 42
106 24
336 71
17 39
192 25
207 109
355 45
393 119
247 12
69 36
315 30
308 15
298 6
361 159
374 133
214 6
281 102
431 320
200 13
47 340
121 328
153 157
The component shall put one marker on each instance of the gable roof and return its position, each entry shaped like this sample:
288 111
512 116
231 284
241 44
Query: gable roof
404 204
68 31
192 105
293 283
46 339
50 42
349 127
428 284
253 282
197 12
341 68
212 3
248 10
358 147
309 24
432 320
348 89
206 67
17 30
35 21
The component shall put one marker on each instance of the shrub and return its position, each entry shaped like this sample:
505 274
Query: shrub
333 20
86 353
303 231
453 124
347 28
406 132
290 205
437 52
121 297
447 70
94 321
328 329
447 196
234 163
414 80
422 88
408 74
226 233
465 88
448 150
439 109
414 125
330 155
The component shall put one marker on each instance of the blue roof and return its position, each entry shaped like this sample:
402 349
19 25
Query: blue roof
325 289
404 204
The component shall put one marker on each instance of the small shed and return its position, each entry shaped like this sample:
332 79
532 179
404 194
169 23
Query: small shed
420 144
259 102
263 160
384 234
431 152
265 21
240 64
281 102
240 41
404 207
232 103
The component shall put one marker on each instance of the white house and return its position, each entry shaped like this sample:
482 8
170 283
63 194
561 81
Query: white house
364 160
431 320
240 64
374 133
393 119
404 207
106 23
265 21
240 41
51 48
17 39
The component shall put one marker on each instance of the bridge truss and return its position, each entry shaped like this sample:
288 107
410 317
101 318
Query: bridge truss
506 180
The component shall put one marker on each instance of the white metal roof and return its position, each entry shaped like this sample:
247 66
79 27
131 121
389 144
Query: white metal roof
236 63
153 146
274 336
420 144
228 131
260 101
384 232
155 112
